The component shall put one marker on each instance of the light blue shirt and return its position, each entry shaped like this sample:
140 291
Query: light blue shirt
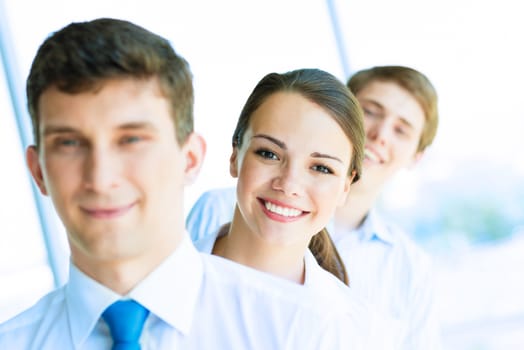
196 301
211 210
386 268
389 270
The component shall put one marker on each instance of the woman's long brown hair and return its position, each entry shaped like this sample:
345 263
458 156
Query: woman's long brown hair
327 255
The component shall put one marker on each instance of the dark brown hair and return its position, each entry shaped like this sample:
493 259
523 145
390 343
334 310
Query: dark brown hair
319 87
335 98
80 56
327 256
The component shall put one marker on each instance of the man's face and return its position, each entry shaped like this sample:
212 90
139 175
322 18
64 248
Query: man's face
393 121
110 162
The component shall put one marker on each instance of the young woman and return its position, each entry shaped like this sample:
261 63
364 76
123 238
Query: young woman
297 148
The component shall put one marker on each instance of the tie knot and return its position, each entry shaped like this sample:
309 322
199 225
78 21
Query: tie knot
125 319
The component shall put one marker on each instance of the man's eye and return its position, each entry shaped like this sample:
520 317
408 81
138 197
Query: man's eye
131 139
368 112
69 142
65 142
401 131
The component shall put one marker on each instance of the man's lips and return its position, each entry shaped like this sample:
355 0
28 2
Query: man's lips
372 156
107 212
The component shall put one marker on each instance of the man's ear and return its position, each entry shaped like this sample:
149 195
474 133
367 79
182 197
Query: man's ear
195 152
416 159
33 163
233 164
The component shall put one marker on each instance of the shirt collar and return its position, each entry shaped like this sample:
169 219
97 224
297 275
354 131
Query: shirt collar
170 292
374 227
86 299
311 267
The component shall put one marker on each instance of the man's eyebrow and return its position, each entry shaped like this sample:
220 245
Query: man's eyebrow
406 122
137 125
323 155
381 107
277 142
60 129
51 129
373 102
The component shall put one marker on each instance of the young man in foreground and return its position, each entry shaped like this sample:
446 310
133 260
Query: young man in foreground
112 111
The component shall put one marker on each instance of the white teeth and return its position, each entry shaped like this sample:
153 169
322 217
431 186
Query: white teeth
372 156
288 212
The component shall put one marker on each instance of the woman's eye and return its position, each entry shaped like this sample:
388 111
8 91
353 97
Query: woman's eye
322 169
267 154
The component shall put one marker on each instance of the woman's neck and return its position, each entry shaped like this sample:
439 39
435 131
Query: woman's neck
241 245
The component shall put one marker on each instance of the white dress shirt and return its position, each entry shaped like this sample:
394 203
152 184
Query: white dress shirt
196 301
324 283
327 288
385 267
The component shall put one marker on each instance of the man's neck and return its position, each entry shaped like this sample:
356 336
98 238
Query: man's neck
123 274
358 204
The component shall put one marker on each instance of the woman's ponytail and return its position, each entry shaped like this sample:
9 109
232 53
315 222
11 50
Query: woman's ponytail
327 255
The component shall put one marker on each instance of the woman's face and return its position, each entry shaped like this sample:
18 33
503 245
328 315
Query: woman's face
292 169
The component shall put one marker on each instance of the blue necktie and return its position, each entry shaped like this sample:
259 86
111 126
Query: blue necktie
125 319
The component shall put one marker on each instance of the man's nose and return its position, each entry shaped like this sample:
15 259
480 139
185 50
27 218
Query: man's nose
100 170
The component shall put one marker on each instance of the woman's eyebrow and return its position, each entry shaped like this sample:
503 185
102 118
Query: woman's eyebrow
277 142
323 155
282 145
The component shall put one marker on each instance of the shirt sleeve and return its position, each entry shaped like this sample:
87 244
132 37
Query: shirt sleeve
424 330
211 210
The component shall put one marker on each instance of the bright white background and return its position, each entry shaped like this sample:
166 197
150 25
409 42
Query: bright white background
464 201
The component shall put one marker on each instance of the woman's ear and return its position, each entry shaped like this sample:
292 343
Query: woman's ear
233 164
195 152
33 163
347 186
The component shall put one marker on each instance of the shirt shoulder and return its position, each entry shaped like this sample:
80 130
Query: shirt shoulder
328 286
401 250
211 210
33 323
414 255
365 319
243 281
292 315
206 243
